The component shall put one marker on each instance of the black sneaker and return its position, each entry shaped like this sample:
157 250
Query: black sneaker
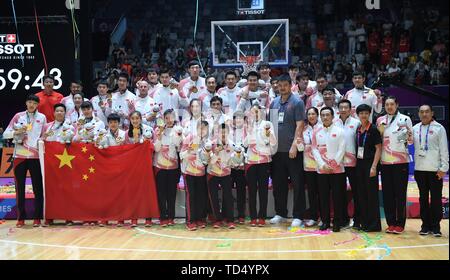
336 228
324 227
437 233
424 231
357 227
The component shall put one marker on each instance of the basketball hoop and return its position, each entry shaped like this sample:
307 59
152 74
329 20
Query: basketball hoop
249 63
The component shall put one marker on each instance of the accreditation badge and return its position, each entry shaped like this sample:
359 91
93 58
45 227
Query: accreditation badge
360 153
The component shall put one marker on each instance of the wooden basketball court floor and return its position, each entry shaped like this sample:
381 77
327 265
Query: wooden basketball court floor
243 243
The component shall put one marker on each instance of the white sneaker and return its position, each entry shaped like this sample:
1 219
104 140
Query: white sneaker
320 224
296 223
310 223
276 219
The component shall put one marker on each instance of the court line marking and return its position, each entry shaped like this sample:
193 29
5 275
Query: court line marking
223 239
216 252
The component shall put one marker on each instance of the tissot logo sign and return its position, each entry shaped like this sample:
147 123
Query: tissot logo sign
7 38
9 49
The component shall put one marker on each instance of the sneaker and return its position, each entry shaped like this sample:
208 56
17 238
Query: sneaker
424 231
398 230
134 223
171 222
85 223
346 225
310 223
277 219
93 223
69 223
261 222
163 223
191 227
120 224
320 224
103 224
231 226
437 233
336 228
324 227
217 224
390 229
20 223
296 223
47 222
201 224
148 223
253 223
37 223
241 221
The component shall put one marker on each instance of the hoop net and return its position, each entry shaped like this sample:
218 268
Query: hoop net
249 63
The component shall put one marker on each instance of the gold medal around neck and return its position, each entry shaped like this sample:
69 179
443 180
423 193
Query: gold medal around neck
381 128
194 89
136 132
29 127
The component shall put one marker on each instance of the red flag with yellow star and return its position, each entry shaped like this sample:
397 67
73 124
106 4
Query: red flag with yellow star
85 183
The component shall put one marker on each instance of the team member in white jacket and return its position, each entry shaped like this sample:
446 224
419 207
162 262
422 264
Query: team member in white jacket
361 94
261 144
349 124
122 102
431 165
310 165
26 128
328 148
168 97
229 93
396 131
100 101
167 139
238 134
53 130
144 104
219 173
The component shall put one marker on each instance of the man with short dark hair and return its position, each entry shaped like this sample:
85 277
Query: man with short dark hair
431 165
194 86
361 94
289 110
88 125
250 93
168 97
328 148
316 99
100 101
211 85
122 101
229 93
349 124
25 129
75 87
48 98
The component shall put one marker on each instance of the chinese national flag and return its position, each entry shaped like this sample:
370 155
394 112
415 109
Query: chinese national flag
85 183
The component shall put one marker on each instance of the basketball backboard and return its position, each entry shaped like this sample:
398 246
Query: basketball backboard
233 41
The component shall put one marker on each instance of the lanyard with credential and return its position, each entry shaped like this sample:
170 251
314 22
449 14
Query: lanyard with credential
365 136
426 137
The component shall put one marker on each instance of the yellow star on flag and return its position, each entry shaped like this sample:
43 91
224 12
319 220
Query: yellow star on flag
65 159
85 177
84 149
91 170
91 158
